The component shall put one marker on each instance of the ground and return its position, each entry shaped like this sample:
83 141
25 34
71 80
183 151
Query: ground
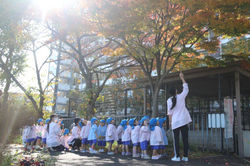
74 159
79 159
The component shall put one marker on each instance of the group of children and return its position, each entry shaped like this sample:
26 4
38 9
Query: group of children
141 135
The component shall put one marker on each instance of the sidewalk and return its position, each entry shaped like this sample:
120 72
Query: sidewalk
77 159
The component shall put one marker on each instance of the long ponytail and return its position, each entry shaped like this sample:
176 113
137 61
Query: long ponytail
173 101
50 120
173 93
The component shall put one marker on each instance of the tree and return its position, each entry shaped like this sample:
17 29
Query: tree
12 40
37 94
92 53
157 34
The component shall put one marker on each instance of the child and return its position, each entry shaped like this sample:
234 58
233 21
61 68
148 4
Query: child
126 138
54 134
143 138
111 134
45 133
39 130
135 136
31 137
25 134
101 133
93 136
65 139
76 142
119 132
156 138
162 123
84 135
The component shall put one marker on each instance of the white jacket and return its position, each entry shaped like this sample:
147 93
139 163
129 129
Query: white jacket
126 136
156 137
180 114
111 133
144 134
53 138
135 134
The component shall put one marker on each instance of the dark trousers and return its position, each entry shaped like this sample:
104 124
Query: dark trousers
58 148
76 144
184 133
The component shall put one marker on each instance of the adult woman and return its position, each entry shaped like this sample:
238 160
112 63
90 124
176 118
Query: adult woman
179 118
76 142
54 134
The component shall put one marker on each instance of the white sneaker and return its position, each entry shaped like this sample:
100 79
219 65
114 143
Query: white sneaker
136 155
184 159
146 157
123 153
93 151
100 150
83 151
142 156
128 154
159 156
37 147
29 147
111 153
155 157
176 158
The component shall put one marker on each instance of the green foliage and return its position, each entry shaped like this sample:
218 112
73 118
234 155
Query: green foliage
237 46
18 140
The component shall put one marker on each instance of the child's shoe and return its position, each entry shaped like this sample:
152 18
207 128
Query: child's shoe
83 151
146 157
128 154
111 153
155 157
136 155
184 159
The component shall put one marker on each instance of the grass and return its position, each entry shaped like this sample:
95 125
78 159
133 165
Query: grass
18 140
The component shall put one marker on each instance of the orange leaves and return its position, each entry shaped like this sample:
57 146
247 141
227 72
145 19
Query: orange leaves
210 46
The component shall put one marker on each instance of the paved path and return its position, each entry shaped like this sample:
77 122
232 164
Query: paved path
77 159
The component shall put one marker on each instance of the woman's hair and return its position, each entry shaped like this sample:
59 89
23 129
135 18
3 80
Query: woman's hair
77 120
50 120
172 92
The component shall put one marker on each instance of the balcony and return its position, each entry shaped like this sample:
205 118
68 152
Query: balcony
62 100
63 87
65 74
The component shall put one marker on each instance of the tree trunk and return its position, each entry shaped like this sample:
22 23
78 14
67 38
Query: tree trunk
155 91
90 109
41 104
6 95
90 97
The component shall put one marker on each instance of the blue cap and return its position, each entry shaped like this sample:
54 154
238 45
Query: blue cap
80 124
142 120
131 122
66 131
109 120
93 120
39 120
102 121
161 121
47 121
124 123
152 124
